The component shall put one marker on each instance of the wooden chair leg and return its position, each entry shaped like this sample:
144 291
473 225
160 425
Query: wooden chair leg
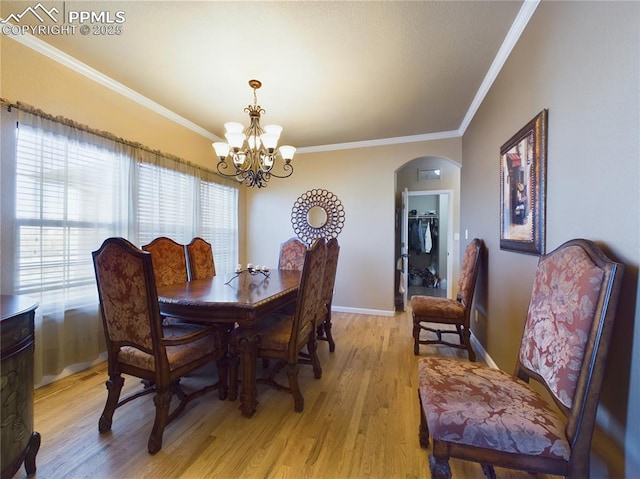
416 336
327 331
292 375
114 387
439 468
162 400
467 344
488 471
423 432
312 347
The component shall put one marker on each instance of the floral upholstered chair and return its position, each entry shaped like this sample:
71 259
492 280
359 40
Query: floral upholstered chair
283 336
457 312
169 261
324 319
292 254
485 415
200 255
138 344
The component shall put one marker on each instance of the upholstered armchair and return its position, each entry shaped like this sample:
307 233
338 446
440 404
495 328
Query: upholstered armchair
200 259
139 345
452 312
282 336
485 415
292 254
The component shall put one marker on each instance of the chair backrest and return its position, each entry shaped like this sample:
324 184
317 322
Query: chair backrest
309 300
169 261
200 257
331 266
567 332
128 297
292 254
469 273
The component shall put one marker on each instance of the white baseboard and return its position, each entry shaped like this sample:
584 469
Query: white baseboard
480 351
373 312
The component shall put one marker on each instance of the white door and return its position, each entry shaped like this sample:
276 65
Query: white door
404 247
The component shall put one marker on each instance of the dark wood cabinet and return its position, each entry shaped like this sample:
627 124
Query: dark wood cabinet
19 443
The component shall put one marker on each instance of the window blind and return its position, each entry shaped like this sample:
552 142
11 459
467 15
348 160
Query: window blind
64 209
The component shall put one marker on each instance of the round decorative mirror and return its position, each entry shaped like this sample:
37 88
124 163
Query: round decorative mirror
317 217
317 214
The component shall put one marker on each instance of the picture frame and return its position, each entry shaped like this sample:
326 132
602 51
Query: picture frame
523 166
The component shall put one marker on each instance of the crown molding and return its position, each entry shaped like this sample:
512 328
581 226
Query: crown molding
68 61
519 24
381 142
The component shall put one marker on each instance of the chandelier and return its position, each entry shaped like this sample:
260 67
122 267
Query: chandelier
250 153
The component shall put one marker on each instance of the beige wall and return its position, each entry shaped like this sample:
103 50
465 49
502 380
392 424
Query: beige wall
364 180
581 61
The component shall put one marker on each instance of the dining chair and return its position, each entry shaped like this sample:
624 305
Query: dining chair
456 312
169 261
292 254
200 259
281 336
139 345
485 415
324 318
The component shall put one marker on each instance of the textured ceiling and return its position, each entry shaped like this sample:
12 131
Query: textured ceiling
332 72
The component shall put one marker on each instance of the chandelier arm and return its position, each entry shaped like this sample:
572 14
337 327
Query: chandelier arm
223 165
287 167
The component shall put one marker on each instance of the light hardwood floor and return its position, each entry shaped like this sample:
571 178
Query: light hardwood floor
360 421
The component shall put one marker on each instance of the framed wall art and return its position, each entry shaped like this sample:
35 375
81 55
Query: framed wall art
523 162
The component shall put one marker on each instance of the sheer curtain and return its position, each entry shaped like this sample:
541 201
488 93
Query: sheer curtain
64 190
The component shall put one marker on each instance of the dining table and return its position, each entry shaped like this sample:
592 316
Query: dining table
242 299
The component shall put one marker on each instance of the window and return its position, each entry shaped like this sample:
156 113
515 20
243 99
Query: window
66 189
64 207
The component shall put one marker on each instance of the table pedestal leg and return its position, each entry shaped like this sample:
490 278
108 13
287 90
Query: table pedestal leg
248 394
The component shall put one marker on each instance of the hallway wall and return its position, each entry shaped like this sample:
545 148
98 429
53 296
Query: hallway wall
581 61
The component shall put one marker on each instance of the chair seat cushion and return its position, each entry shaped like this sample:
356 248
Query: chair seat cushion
437 308
177 355
275 332
472 404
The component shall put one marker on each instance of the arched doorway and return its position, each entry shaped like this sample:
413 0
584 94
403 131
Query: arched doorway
425 260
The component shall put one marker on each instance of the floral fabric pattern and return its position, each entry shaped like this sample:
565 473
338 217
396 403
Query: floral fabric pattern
123 294
292 254
468 271
565 294
177 356
437 308
330 269
201 259
470 403
169 262
310 292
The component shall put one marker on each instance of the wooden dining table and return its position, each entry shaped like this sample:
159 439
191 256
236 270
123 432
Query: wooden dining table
244 300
